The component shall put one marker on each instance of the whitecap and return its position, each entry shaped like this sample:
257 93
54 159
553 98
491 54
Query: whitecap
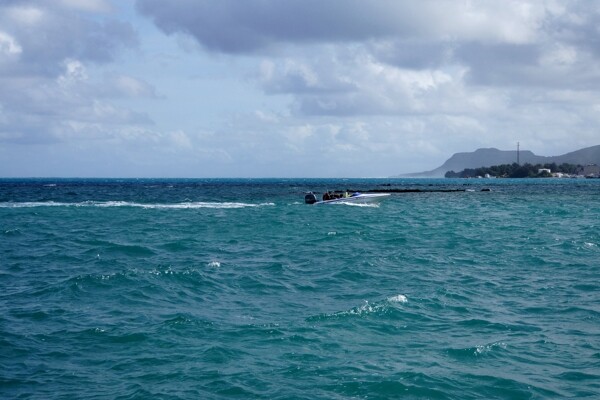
214 264
186 205
481 349
400 298
367 205
103 204
30 204
364 309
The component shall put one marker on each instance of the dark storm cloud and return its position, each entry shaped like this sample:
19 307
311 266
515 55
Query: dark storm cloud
233 26
499 64
554 63
497 42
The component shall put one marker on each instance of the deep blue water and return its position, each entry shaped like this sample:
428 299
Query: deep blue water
209 289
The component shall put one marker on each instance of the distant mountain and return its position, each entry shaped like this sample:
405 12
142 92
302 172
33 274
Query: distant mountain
489 157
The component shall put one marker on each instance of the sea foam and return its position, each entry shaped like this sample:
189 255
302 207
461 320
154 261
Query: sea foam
400 298
106 204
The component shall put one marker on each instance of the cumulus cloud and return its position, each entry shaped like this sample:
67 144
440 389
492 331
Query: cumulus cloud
69 107
496 42
96 6
47 92
301 81
47 34
9 46
479 67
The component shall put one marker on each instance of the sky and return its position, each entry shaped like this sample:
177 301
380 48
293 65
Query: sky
295 88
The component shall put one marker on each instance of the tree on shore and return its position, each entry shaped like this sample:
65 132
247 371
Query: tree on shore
515 170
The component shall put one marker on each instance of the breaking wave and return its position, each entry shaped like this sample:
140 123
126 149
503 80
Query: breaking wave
382 307
185 205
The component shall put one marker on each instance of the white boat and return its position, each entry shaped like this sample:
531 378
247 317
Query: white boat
355 198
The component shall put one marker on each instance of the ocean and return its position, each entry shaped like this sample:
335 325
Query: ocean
234 288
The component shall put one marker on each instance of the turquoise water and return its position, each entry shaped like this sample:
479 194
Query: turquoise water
210 289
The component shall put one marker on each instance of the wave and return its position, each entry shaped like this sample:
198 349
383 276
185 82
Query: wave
105 204
379 308
477 351
351 204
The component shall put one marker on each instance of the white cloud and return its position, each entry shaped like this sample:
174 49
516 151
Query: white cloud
180 139
132 87
47 92
45 35
74 72
9 46
95 6
559 55
306 85
515 22
28 16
